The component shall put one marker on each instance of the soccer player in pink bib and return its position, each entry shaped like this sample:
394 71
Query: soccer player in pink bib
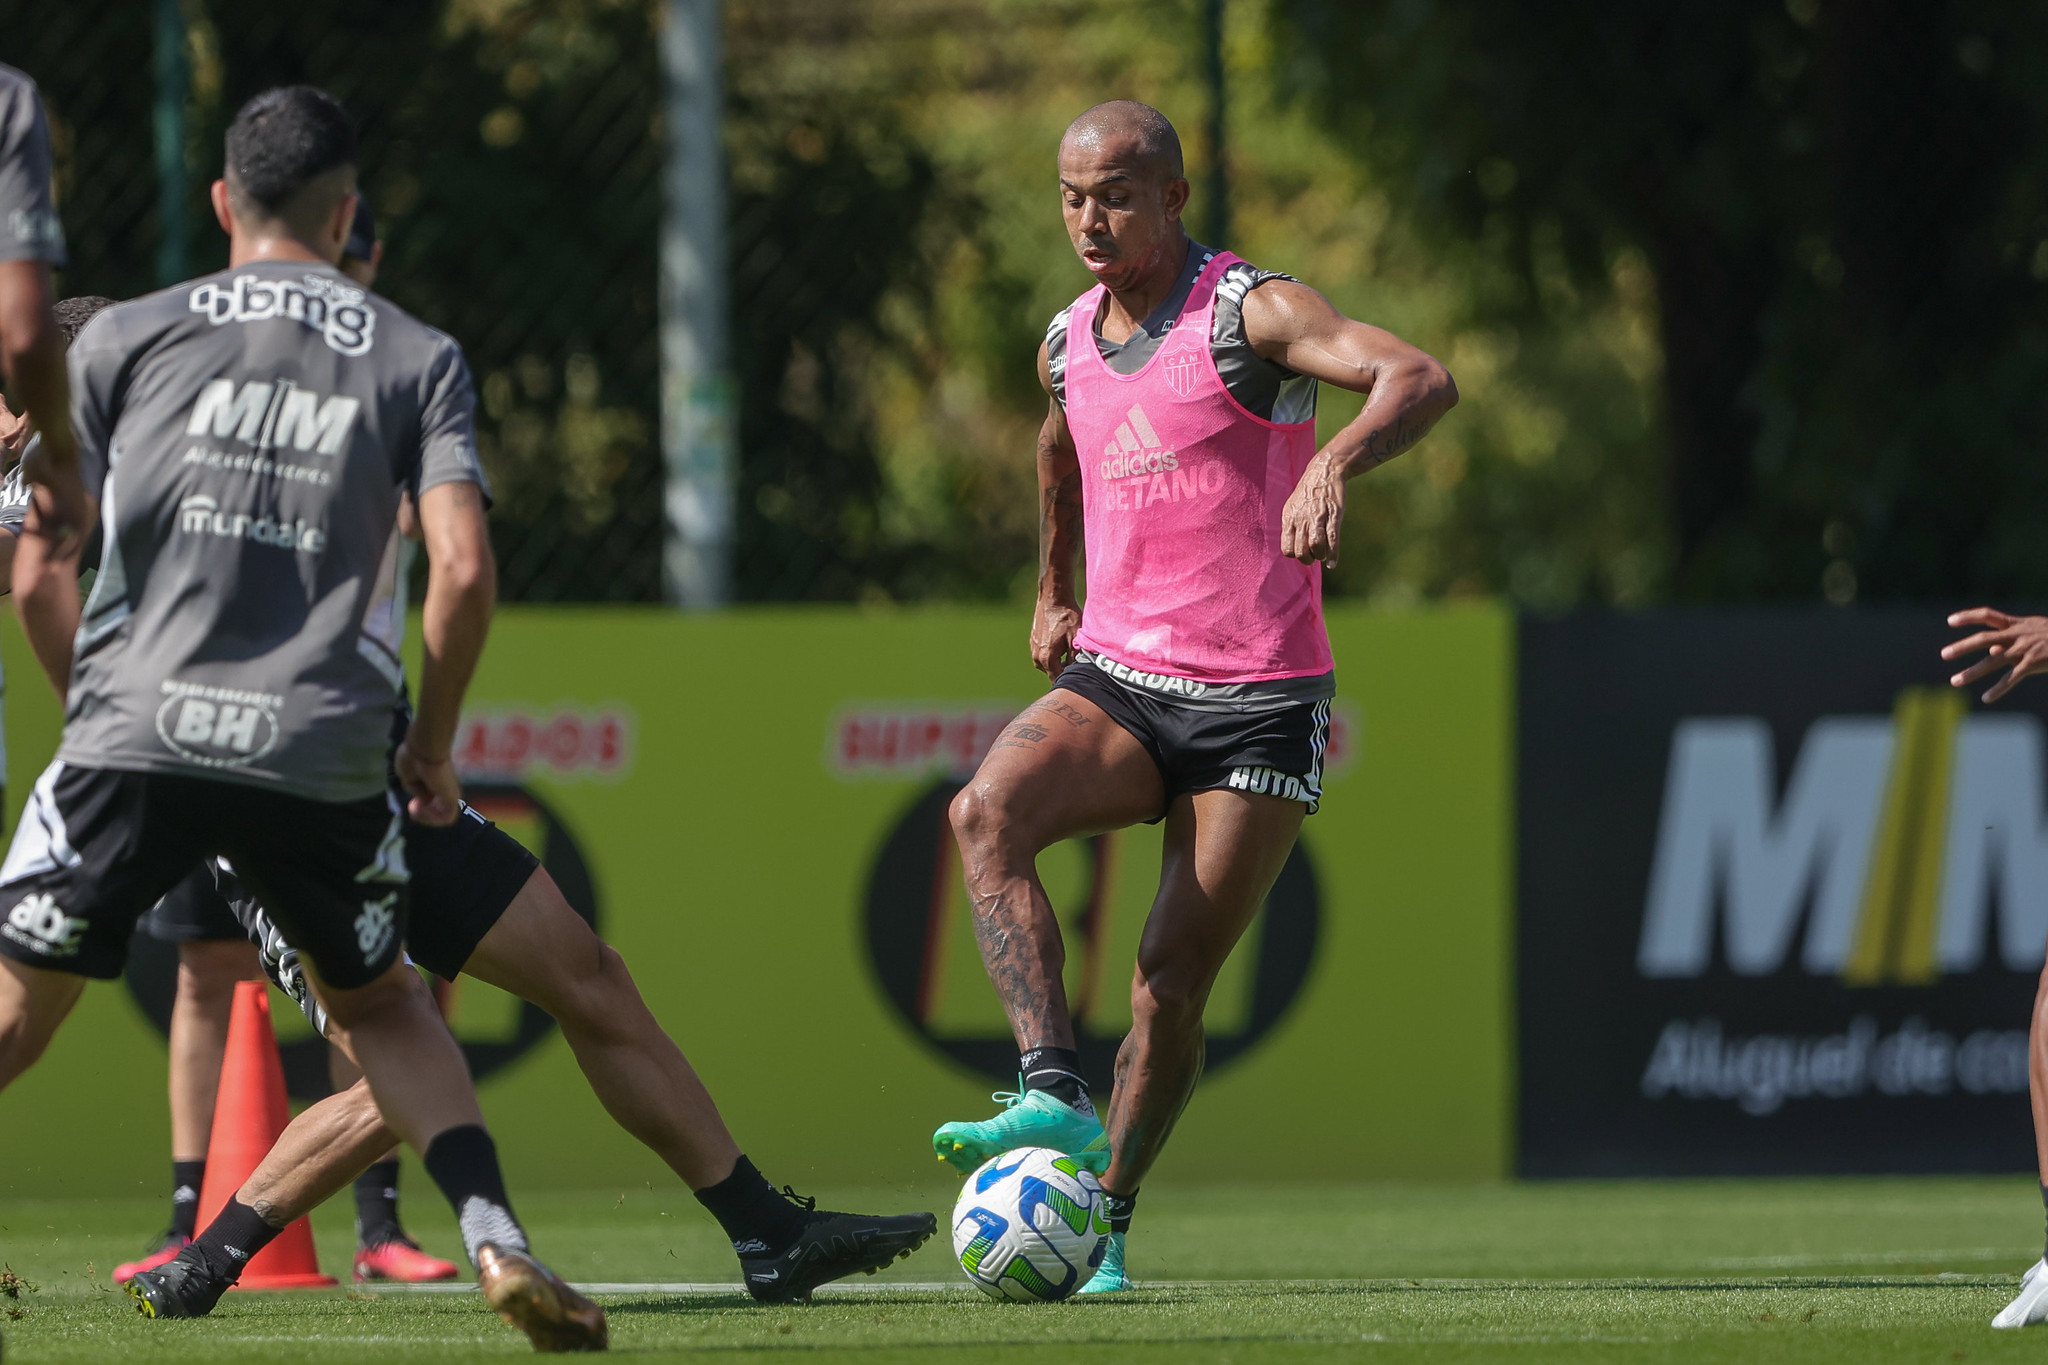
1195 684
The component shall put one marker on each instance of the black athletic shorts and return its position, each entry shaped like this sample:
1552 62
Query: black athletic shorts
1267 738
464 875
96 848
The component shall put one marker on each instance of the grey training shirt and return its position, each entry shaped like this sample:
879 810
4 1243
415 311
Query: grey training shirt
249 433
29 230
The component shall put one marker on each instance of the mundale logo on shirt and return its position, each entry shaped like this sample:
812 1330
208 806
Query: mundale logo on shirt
201 515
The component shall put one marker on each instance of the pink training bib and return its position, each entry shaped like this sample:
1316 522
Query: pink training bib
1182 490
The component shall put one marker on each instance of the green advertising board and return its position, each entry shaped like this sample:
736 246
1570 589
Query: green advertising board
749 803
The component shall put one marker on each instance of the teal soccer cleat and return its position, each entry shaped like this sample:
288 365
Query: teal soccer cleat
1109 1277
1031 1119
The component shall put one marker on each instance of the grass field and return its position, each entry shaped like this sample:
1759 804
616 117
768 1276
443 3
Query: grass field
1686 1273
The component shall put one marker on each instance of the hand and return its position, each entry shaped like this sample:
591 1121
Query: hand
436 793
1313 519
1053 628
14 429
2016 643
58 509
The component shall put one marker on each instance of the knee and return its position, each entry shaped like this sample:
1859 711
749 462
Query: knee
22 1043
985 826
208 971
1168 995
398 990
596 995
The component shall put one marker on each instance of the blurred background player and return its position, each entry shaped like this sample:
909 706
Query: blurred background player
31 245
482 904
214 952
2016 646
316 403
1196 688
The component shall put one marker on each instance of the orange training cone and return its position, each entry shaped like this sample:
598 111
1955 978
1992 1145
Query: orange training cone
249 1112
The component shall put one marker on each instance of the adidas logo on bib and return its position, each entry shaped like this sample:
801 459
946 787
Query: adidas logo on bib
1135 448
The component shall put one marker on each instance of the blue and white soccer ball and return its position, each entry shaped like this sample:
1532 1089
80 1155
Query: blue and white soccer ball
1030 1226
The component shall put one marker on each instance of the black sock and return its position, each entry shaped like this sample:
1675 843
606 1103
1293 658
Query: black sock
377 1205
464 1163
187 1178
1118 1209
236 1233
1056 1071
753 1215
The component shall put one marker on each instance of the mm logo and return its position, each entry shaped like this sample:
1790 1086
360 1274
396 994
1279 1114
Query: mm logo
273 416
1907 847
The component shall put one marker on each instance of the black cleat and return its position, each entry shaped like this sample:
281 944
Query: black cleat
831 1247
182 1287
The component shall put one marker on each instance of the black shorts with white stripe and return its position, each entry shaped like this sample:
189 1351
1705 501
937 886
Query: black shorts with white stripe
97 847
1267 739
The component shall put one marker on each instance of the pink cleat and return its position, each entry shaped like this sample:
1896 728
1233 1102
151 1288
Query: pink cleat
174 1242
402 1263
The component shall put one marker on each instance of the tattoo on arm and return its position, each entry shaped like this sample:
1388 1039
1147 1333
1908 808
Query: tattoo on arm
1385 442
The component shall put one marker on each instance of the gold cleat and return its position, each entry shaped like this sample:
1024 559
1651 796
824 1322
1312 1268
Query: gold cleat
539 1303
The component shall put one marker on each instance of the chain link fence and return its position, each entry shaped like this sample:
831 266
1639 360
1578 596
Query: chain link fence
513 154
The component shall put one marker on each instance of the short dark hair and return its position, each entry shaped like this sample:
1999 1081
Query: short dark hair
284 139
73 313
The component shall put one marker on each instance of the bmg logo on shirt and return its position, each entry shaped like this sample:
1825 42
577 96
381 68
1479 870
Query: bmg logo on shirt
217 727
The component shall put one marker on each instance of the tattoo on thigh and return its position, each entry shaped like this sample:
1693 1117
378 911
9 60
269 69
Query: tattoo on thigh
1022 734
1067 712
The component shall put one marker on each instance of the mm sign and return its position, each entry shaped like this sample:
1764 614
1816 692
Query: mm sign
1784 897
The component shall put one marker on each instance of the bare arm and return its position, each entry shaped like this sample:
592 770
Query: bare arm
462 589
1058 615
1406 391
32 354
45 581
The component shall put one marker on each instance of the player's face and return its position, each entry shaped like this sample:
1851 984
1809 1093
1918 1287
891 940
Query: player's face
1122 215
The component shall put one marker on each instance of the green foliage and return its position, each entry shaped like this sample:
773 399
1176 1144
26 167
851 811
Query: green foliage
1840 207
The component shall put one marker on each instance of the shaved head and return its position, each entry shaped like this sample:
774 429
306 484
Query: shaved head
1138 130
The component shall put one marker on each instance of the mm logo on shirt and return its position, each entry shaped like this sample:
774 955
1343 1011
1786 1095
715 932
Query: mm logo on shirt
37 924
272 415
217 727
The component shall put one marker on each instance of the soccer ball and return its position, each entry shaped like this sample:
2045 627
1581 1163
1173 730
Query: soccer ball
1029 1226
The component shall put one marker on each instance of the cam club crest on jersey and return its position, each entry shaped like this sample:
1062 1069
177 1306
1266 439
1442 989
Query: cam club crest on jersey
1183 369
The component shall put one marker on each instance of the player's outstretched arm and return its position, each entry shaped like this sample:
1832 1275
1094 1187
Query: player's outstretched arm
462 590
1406 390
45 582
2017 644
32 353
1058 615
